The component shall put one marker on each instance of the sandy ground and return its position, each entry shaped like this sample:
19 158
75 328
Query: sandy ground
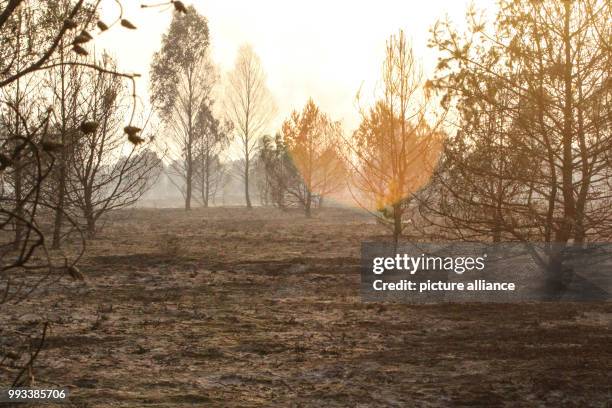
229 307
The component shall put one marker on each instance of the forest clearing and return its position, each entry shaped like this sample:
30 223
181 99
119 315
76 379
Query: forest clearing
238 308
306 204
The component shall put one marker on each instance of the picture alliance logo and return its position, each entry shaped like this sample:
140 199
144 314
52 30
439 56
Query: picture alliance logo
412 264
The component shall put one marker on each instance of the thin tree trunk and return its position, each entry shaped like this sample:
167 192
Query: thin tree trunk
59 209
18 205
207 181
189 163
18 181
397 223
188 174
498 218
91 226
554 286
308 204
89 213
61 186
554 283
61 192
568 165
188 179
246 184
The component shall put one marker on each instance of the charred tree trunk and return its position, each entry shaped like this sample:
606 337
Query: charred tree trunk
397 223
91 226
553 283
569 213
59 205
19 211
308 204
90 217
61 163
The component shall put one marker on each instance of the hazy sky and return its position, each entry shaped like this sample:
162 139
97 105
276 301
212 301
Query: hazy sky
324 49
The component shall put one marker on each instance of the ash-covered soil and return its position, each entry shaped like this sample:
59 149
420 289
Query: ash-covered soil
230 307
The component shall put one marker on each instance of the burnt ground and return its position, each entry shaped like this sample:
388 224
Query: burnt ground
229 307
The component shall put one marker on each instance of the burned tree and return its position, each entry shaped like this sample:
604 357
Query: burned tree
34 36
312 138
106 171
545 69
394 151
67 82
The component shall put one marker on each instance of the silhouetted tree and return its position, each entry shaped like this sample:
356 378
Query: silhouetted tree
35 37
105 171
182 79
249 106
212 139
279 174
534 96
